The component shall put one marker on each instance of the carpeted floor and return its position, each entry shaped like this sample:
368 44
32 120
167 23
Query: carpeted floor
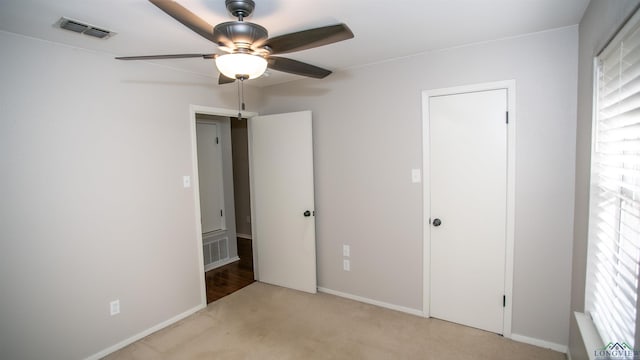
266 322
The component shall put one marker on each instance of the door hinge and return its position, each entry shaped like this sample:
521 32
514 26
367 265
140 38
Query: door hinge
217 140
507 116
504 300
220 212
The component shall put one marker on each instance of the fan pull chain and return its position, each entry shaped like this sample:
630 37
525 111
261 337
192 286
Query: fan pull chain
239 102
241 106
242 89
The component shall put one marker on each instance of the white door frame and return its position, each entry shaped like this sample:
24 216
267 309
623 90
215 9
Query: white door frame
193 110
510 86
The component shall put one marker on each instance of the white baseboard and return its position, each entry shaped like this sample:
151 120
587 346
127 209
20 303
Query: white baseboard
516 337
147 332
541 343
220 263
244 236
372 302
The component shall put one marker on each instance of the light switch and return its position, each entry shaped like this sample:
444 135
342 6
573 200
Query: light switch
346 250
186 181
415 176
114 307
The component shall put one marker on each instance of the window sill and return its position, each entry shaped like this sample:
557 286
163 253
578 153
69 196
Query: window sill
590 336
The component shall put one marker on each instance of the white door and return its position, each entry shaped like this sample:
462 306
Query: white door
468 208
281 172
210 176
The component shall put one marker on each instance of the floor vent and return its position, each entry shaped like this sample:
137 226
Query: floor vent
82 28
215 251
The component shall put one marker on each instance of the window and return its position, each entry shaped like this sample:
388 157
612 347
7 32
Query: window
614 219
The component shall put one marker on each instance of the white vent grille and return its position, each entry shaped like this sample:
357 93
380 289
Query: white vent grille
216 251
83 28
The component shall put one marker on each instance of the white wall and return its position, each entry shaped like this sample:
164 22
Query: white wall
92 152
367 137
597 26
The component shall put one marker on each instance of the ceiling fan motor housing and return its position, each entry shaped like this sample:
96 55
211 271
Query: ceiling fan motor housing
240 8
243 35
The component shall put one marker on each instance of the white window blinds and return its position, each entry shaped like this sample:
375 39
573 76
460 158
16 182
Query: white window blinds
614 219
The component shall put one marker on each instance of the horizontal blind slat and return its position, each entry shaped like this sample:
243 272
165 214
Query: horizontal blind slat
626 286
621 119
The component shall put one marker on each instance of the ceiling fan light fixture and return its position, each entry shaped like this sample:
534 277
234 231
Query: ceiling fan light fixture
241 65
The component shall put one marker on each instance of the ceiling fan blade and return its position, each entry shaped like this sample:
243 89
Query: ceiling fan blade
225 80
308 39
186 17
173 56
296 67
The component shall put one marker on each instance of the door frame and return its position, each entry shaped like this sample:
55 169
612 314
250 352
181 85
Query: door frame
193 110
510 86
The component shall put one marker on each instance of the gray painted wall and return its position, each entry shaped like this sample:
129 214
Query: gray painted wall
367 138
598 25
92 153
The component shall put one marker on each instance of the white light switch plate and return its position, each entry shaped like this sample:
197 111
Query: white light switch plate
416 176
114 307
346 250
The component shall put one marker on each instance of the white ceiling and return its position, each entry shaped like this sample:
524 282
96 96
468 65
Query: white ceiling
384 29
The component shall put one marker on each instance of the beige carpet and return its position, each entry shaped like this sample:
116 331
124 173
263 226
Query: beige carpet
268 322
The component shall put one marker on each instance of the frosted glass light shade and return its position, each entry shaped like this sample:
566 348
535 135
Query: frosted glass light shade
250 66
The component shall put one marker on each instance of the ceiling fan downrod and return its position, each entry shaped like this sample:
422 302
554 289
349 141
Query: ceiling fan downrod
240 8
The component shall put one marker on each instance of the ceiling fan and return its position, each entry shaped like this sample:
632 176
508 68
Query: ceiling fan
249 49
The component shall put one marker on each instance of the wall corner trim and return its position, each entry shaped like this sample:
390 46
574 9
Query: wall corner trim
144 333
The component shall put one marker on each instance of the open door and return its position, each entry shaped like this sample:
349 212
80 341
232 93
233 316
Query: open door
281 172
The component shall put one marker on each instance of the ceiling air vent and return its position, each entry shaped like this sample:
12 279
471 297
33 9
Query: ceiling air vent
80 27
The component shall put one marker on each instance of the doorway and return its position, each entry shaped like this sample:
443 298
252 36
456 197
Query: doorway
468 161
227 258
227 279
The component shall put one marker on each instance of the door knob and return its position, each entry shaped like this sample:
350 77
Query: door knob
437 222
307 213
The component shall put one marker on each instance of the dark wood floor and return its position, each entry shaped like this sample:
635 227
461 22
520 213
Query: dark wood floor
227 279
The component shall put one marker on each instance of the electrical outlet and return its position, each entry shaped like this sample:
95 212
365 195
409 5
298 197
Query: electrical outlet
114 307
346 250
346 265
